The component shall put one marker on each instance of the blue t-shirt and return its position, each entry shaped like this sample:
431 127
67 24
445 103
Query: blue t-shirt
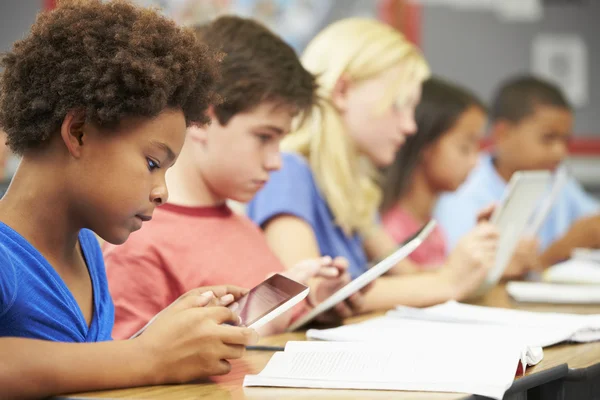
293 190
36 303
457 212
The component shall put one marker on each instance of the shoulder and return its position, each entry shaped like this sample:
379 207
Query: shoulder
294 168
291 190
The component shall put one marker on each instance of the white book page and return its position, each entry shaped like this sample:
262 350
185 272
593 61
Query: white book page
397 366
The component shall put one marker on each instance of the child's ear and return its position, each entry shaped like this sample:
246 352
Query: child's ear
72 132
197 133
339 96
500 131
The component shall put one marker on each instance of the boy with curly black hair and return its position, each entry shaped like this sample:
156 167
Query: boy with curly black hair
96 100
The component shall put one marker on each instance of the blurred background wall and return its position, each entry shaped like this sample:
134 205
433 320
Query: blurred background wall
477 43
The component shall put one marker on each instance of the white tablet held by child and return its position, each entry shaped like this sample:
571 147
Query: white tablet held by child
512 217
367 277
269 299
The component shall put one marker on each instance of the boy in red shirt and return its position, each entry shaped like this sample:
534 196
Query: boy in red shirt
195 239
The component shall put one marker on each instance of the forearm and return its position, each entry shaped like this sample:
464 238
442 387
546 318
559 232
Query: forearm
558 251
415 290
34 368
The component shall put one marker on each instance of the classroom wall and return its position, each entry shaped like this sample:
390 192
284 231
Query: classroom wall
478 49
474 48
16 16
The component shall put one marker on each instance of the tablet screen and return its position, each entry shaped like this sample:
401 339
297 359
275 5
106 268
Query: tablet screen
266 297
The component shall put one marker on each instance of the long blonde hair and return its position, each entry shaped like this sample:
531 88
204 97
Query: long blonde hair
358 49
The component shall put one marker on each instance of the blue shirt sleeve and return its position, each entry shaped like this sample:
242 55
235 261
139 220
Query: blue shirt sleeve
582 204
291 190
8 282
457 215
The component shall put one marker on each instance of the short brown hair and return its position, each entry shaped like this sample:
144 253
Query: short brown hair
518 97
258 66
112 60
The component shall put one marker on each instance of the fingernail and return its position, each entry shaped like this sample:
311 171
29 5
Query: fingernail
228 298
207 295
234 307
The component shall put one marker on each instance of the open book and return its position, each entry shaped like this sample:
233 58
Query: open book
440 366
554 293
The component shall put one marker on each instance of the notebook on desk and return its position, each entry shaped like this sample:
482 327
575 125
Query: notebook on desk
553 293
576 270
439 366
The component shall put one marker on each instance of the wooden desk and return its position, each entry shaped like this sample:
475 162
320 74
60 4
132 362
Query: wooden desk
552 369
230 386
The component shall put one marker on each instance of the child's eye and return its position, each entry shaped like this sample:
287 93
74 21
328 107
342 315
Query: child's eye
264 138
152 165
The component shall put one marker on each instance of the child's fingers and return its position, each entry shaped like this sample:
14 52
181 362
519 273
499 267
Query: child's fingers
368 287
192 301
237 335
356 301
221 315
232 352
343 310
226 300
485 214
340 263
328 272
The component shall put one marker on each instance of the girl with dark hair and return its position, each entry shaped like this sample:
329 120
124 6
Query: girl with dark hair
438 158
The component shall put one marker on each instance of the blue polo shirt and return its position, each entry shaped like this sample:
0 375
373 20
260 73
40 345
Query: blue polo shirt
457 211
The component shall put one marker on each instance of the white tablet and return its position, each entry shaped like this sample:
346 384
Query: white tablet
561 178
367 277
512 216
269 300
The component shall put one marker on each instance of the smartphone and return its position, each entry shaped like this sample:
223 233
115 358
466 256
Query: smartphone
269 299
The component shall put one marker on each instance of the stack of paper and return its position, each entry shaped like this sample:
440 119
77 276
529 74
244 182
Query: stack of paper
554 293
579 270
586 254
444 365
548 328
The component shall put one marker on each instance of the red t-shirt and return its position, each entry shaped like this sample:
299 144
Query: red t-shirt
401 225
183 248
